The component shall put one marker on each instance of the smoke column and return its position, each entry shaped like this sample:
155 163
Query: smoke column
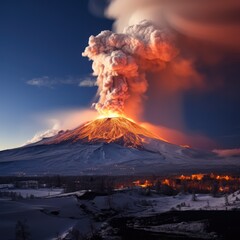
207 35
121 61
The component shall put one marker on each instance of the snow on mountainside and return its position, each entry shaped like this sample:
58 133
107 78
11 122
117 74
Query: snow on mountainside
109 130
107 146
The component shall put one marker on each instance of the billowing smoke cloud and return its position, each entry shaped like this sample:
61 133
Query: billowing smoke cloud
121 60
215 21
125 63
206 34
204 30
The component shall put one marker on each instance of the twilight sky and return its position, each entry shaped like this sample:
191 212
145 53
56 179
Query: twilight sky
42 73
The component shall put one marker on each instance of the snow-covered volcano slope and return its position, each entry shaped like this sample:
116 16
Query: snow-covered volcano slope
109 146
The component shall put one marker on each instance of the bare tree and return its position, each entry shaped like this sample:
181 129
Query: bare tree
226 200
22 230
194 197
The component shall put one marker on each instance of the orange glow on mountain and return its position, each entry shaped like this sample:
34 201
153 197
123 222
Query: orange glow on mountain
180 138
110 129
185 146
110 114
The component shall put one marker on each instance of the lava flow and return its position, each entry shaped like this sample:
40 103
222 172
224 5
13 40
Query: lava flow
107 129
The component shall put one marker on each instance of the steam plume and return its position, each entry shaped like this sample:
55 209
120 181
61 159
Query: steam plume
121 60
206 33
61 120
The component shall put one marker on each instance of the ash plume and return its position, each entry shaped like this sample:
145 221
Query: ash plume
125 62
121 61
207 35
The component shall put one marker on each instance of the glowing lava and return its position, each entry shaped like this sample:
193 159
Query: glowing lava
143 185
112 129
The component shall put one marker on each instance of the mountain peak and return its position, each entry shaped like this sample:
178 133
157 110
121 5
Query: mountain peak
107 146
116 129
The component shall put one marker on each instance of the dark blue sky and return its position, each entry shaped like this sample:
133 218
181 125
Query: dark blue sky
46 38
215 112
42 38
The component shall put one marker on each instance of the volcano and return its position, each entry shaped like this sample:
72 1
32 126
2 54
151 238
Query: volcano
116 146
118 130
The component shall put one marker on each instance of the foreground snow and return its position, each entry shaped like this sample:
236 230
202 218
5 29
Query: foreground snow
41 192
50 217
195 229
